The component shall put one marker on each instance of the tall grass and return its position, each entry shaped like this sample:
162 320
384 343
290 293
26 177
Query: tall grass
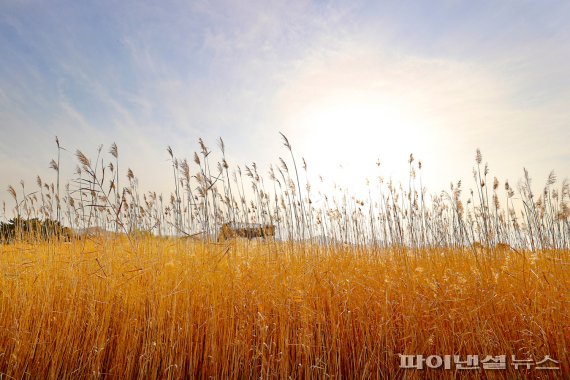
347 285
213 191
179 309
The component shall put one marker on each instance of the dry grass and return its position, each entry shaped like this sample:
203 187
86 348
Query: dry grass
164 308
347 286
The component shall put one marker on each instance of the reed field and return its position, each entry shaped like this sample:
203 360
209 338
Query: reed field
102 279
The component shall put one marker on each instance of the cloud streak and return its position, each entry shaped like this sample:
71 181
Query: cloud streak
460 75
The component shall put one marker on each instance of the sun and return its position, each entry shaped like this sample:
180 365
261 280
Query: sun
349 130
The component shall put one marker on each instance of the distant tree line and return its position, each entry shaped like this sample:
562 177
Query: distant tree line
33 229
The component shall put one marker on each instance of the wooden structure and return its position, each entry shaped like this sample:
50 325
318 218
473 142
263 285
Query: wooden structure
245 230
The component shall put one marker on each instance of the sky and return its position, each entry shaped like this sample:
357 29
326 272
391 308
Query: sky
349 83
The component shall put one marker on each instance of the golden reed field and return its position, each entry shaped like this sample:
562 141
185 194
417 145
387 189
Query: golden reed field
99 279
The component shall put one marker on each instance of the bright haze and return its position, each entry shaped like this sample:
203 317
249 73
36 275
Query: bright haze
349 83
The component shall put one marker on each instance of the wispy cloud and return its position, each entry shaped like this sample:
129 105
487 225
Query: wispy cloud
459 75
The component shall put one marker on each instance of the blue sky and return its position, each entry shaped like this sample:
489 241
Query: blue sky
347 82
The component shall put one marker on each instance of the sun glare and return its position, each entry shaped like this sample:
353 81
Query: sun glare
357 130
